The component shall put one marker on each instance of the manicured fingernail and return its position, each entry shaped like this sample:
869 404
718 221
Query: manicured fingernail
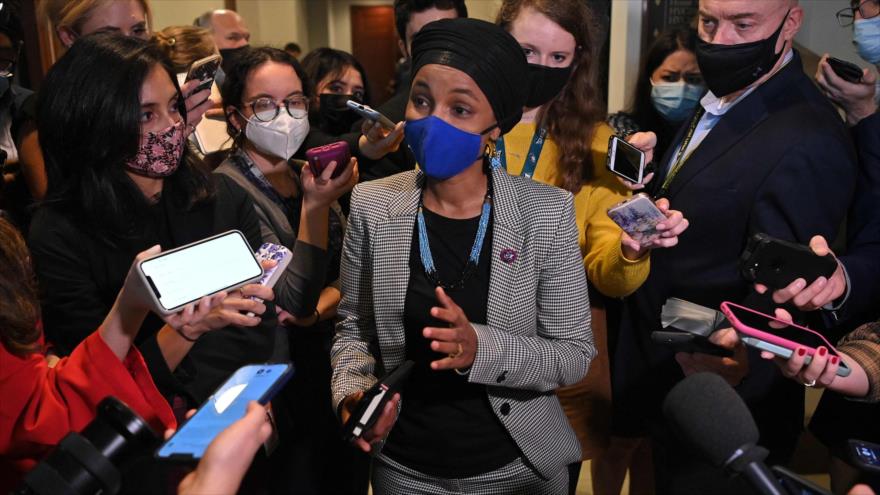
801 351
834 360
823 351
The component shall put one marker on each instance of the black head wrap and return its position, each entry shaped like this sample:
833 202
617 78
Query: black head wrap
483 51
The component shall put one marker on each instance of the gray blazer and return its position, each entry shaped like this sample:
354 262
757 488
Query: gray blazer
538 334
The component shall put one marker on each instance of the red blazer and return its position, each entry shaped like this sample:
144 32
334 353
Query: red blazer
40 405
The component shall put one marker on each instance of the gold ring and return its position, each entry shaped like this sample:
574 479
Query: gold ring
457 353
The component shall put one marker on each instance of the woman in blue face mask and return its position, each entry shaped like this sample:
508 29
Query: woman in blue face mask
857 99
668 90
473 274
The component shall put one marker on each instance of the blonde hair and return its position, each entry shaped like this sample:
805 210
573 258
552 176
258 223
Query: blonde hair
73 14
183 45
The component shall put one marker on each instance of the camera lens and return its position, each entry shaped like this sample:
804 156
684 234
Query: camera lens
92 461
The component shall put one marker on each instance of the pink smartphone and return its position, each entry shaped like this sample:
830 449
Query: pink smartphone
771 334
321 156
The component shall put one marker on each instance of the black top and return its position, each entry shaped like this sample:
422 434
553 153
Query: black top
446 427
80 277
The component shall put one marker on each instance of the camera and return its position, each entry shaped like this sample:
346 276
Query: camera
93 460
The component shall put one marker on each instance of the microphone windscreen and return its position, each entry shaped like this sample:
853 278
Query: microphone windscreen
707 413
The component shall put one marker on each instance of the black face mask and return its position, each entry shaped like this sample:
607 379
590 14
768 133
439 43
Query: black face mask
335 116
730 68
545 83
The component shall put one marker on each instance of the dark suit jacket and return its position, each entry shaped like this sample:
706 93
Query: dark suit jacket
779 162
862 259
80 277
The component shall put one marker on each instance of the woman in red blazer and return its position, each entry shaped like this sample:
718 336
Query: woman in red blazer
39 403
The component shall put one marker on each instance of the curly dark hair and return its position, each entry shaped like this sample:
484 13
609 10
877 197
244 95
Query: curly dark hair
19 306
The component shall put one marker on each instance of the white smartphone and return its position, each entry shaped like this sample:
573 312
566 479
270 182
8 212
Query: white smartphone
638 216
259 382
204 70
368 113
625 160
184 275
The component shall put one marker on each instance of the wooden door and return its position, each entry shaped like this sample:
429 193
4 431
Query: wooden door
374 44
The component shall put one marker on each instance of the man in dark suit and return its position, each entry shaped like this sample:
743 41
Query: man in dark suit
410 16
765 152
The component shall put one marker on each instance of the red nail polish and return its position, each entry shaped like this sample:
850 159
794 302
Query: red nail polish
823 351
834 360
802 352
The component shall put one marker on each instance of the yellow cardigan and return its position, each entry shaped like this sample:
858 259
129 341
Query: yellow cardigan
599 237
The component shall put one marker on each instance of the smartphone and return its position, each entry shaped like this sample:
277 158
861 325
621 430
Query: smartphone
847 71
797 485
204 70
777 263
184 275
368 113
281 256
865 455
259 382
321 156
638 216
680 341
625 160
771 334
373 402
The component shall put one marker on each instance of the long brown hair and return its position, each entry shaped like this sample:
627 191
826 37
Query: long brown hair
572 117
19 306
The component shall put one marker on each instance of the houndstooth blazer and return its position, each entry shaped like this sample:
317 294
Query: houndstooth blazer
538 334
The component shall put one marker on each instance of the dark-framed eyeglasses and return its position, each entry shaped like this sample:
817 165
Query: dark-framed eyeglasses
867 9
266 109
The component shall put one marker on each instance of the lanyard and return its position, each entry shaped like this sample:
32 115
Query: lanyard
500 160
474 258
255 176
679 157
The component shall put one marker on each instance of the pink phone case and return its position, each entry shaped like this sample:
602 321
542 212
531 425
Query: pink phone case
769 337
321 156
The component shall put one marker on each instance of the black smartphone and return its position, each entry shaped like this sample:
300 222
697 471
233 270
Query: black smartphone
205 70
680 341
777 263
373 402
796 485
847 71
865 455
259 382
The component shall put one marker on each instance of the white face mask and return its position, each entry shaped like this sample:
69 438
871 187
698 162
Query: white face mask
281 137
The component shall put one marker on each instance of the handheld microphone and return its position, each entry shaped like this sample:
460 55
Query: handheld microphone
709 415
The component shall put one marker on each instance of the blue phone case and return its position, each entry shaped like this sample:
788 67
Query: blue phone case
259 382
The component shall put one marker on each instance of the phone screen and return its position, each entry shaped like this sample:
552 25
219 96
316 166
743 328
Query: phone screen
181 277
867 454
627 160
778 328
227 405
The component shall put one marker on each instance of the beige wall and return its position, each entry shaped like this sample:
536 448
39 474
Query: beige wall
180 12
272 22
311 23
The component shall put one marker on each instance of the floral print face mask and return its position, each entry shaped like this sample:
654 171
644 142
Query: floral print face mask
159 154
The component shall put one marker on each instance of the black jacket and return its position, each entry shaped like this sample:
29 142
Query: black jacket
80 276
779 162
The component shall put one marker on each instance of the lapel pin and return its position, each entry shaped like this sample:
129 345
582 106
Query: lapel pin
508 255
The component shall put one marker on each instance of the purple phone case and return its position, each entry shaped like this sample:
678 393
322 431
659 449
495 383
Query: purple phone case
321 156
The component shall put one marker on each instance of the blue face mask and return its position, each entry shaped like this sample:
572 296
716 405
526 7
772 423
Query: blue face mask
441 149
866 36
675 101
